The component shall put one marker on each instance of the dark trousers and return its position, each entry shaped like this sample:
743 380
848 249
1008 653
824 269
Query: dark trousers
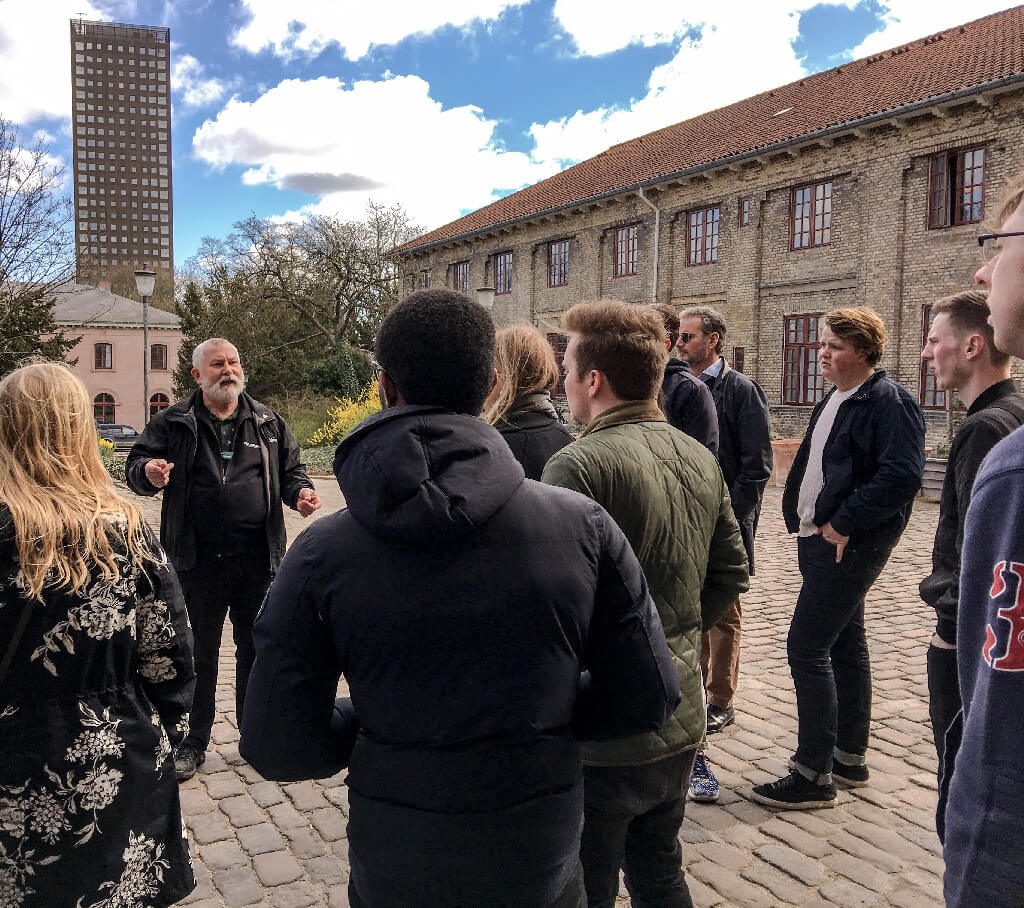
631 819
572 896
943 695
828 650
230 586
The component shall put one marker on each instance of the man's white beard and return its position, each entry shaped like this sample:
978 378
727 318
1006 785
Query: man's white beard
224 393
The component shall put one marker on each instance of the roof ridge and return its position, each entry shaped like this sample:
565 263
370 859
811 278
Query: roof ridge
712 135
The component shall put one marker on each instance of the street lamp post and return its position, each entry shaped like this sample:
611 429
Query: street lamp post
144 283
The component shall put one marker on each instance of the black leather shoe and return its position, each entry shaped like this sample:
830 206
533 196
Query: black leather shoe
719 718
187 759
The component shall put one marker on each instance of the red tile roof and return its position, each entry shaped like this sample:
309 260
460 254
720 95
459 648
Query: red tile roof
964 58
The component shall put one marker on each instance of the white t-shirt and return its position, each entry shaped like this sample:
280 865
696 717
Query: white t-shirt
814 476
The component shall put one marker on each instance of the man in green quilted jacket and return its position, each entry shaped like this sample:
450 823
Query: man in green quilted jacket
666 492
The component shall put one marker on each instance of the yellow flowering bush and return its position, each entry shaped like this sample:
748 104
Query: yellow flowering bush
344 417
106 446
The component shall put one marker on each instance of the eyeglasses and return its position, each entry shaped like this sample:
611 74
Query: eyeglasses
686 337
987 242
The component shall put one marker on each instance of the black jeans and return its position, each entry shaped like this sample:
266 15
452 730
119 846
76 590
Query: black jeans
572 896
943 695
218 587
631 819
828 650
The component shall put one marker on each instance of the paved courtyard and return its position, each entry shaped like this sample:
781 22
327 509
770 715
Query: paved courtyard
261 843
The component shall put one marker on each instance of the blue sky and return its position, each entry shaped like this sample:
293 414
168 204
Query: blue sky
288 108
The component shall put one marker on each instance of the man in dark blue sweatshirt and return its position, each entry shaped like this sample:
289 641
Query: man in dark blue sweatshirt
981 807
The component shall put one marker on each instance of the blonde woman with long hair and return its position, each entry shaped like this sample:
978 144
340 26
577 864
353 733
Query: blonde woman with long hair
96 671
519 405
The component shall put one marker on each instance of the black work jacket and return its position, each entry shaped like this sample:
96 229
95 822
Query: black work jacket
995 414
873 463
744 447
173 435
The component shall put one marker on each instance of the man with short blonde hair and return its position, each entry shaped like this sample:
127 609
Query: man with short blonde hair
848 498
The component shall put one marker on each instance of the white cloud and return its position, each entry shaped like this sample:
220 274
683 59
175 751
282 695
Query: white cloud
35 74
42 137
189 83
645 22
306 27
331 140
908 20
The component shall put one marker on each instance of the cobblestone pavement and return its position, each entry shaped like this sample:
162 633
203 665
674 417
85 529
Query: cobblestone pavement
262 843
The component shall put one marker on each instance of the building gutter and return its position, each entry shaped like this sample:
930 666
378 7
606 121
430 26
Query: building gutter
738 158
657 240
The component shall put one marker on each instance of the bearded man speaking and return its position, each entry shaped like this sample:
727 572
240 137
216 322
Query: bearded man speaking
225 464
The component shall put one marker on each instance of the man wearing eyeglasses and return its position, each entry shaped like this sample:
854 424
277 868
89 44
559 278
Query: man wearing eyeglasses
961 353
745 455
981 807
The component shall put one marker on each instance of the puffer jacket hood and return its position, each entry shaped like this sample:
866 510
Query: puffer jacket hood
425 474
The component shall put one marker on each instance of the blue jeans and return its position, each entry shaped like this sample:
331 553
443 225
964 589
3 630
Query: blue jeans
828 651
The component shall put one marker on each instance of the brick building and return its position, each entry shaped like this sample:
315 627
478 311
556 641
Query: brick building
865 184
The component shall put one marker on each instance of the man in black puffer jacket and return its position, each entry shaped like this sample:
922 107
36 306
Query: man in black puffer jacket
484 622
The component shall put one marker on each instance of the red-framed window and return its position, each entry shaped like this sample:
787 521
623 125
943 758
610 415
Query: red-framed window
624 251
558 263
745 206
704 236
103 408
158 357
932 396
956 188
503 272
460 277
802 381
811 216
424 278
738 358
158 402
103 356
558 344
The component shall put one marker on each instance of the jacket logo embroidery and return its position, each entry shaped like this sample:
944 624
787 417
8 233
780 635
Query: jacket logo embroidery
1012 660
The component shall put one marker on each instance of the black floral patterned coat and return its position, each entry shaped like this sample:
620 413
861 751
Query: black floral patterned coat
97 695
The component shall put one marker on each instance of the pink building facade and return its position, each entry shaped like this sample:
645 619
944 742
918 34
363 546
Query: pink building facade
109 356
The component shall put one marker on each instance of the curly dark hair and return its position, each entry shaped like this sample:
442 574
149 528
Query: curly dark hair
438 347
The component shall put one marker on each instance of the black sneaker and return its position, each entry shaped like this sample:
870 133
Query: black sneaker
795 792
719 718
845 773
187 759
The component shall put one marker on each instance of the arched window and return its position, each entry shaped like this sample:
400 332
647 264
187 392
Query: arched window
103 408
158 356
157 403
